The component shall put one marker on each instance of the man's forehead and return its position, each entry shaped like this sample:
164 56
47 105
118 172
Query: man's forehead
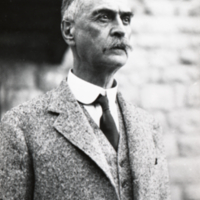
116 5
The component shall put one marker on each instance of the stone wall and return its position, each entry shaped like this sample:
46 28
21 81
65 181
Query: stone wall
162 76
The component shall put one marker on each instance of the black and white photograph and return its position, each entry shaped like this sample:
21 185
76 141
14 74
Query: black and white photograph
100 100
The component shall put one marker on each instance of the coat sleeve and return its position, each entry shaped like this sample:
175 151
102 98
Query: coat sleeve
161 166
16 173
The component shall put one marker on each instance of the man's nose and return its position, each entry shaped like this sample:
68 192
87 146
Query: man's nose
118 28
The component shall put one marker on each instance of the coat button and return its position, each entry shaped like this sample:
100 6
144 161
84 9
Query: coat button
124 184
122 163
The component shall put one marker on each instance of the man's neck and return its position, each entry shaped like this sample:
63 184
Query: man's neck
98 78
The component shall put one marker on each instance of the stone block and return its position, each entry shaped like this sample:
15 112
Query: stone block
180 95
192 192
188 8
194 73
189 57
134 78
152 25
165 25
137 61
159 8
154 75
171 147
181 73
195 11
162 58
188 25
142 77
185 120
16 97
194 41
176 192
131 94
137 7
193 97
149 41
50 77
20 76
141 59
184 170
155 96
169 41
189 146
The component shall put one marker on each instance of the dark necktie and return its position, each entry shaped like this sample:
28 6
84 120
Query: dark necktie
107 123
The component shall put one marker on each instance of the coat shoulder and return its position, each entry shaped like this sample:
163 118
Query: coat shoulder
142 115
24 111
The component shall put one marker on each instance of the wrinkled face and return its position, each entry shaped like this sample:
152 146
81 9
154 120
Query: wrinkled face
102 32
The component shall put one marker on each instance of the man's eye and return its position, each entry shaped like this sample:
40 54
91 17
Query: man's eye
104 17
126 19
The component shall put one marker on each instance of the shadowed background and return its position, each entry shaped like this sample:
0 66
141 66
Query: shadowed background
161 76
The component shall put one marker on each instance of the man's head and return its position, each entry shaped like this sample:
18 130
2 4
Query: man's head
98 31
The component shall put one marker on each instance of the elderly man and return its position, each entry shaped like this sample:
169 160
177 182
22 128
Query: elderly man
82 141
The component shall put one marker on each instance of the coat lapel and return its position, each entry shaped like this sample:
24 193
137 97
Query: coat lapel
141 149
74 126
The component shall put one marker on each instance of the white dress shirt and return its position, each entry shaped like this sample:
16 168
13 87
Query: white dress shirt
87 93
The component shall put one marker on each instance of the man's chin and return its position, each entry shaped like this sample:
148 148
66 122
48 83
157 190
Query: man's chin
118 60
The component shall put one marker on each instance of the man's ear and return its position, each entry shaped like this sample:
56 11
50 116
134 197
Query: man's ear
67 29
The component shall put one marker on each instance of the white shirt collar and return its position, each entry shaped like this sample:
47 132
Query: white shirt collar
86 92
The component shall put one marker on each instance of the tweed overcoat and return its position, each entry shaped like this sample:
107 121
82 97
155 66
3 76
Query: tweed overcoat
48 151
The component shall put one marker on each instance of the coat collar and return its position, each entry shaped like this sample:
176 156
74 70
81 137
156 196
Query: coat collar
74 126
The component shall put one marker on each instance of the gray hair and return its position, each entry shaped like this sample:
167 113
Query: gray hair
69 9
